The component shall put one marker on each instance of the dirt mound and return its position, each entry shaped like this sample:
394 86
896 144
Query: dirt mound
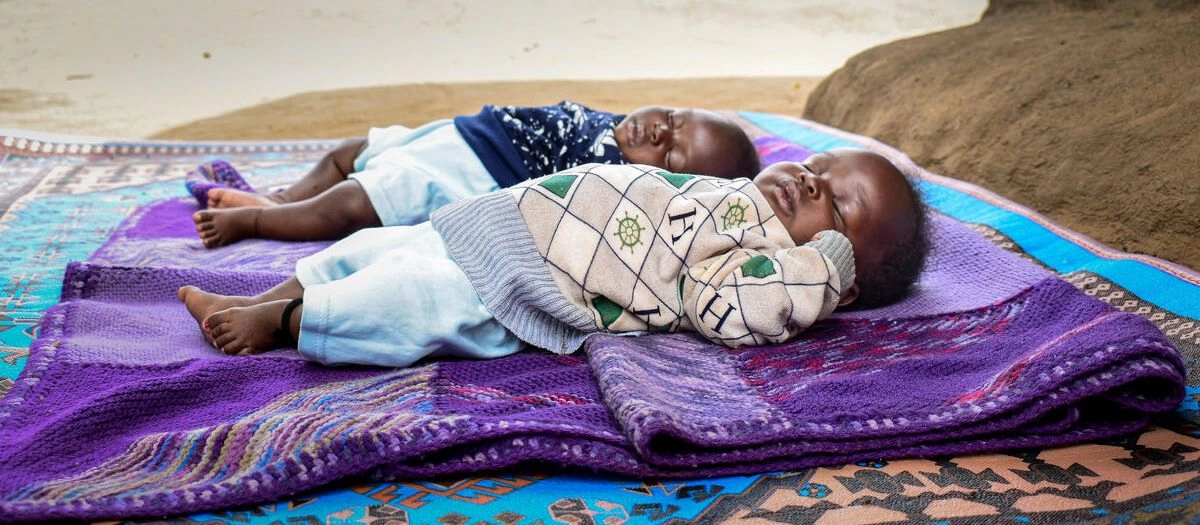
1086 111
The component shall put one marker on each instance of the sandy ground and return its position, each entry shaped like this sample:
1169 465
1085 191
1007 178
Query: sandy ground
307 115
133 68
1085 111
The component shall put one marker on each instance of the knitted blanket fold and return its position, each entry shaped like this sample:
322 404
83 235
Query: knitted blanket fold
1045 367
123 410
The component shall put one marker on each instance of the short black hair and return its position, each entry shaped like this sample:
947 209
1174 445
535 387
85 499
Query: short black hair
902 261
746 162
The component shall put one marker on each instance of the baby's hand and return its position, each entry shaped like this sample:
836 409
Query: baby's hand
834 245
821 234
836 237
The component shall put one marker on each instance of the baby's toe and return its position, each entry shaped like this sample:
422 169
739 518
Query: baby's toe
211 238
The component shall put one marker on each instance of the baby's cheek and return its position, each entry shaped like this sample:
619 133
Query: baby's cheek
640 156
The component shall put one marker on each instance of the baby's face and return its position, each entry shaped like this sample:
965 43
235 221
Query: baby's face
680 140
855 192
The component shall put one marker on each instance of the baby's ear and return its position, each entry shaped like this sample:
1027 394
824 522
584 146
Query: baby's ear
849 295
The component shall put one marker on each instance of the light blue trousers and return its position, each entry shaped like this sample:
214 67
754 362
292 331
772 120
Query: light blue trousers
409 173
390 296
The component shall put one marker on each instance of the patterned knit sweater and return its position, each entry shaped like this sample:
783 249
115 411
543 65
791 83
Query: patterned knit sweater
633 248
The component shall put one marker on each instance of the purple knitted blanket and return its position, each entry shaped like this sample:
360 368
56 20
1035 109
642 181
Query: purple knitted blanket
124 411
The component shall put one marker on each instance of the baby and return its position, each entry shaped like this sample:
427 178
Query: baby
595 249
398 176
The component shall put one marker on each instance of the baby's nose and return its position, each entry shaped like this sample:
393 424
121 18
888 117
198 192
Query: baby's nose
811 185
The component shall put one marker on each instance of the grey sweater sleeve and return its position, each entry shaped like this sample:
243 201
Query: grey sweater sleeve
838 249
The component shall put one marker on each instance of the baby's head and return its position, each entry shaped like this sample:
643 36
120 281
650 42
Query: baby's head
862 195
680 140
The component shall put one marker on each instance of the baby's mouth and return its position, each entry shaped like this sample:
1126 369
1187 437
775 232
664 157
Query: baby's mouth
787 196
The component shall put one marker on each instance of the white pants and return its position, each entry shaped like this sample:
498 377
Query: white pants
390 296
409 173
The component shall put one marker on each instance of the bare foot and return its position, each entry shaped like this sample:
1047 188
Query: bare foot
221 227
244 330
235 198
202 304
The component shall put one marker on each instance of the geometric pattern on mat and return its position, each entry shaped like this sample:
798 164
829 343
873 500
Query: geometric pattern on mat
1101 481
61 198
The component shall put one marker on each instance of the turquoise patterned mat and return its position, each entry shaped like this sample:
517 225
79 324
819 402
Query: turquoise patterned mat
61 197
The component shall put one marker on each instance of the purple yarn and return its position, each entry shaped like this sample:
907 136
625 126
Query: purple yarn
121 388
210 175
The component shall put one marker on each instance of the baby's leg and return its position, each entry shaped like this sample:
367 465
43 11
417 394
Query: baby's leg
210 309
201 304
334 214
411 301
335 167
234 198
244 330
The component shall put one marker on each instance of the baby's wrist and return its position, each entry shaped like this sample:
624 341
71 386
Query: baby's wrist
837 248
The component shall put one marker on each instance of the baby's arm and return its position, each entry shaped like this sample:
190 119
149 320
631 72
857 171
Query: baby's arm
753 297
